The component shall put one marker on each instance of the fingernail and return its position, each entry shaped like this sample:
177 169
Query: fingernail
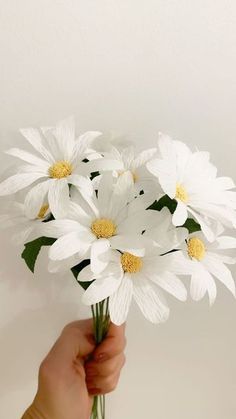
101 357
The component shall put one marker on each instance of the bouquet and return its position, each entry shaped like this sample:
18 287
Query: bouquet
128 225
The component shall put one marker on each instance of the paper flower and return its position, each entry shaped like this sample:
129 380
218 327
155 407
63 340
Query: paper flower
59 165
22 226
209 260
128 275
135 164
95 224
192 180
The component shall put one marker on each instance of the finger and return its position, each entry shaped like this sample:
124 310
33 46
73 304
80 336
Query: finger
113 344
103 385
106 368
75 340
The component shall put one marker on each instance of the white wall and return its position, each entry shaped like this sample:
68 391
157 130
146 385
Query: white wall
134 67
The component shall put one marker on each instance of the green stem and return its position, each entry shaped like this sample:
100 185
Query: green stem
101 321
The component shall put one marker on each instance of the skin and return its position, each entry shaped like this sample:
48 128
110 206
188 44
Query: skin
75 370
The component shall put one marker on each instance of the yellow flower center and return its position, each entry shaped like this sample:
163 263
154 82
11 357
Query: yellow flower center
60 169
135 177
196 248
42 211
103 228
130 263
181 193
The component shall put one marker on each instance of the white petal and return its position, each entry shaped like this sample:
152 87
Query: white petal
86 202
34 137
86 274
211 289
226 242
224 258
164 171
31 168
29 158
35 198
99 255
105 191
183 154
220 271
132 244
22 236
142 202
63 266
177 236
104 287
83 143
178 263
143 157
83 184
76 212
170 283
17 182
68 245
146 296
181 213
100 165
198 163
122 193
205 225
65 135
138 222
198 286
119 302
166 146
127 156
58 228
225 183
58 198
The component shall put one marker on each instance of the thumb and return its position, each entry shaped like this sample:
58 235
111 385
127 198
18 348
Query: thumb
75 342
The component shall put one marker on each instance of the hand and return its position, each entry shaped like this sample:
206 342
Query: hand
75 370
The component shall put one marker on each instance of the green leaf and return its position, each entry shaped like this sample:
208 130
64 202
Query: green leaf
164 201
192 225
76 270
32 249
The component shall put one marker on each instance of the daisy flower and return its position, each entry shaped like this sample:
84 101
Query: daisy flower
165 234
142 277
208 260
25 228
95 224
192 180
135 164
57 163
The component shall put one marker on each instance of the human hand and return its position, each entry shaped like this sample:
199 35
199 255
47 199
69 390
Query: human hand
75 370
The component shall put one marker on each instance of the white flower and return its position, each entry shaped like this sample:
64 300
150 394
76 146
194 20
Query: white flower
165 234
135 164
60 164
106 142
24 228
192 180
95 224
208 260
138 275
